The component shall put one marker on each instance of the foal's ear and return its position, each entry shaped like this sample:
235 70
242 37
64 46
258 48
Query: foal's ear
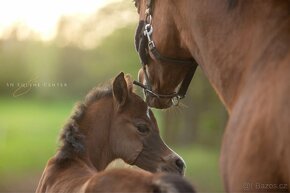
120 90
129 82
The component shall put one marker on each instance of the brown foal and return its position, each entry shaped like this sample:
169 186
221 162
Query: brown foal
113 122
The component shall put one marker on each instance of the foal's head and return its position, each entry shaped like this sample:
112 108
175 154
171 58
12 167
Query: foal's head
165 77
113 123
135 134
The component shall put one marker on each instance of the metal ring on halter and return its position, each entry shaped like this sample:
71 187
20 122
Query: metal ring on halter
148 19
148 29
175 100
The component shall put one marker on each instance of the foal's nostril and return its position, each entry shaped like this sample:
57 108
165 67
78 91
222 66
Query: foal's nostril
179 163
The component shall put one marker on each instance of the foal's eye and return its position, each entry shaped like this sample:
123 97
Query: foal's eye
142 128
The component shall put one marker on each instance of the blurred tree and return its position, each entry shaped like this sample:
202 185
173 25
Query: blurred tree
67 60
200 118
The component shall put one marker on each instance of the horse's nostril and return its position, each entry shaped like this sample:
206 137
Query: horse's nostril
179 163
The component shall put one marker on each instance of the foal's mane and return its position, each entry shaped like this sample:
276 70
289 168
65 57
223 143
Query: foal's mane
71 137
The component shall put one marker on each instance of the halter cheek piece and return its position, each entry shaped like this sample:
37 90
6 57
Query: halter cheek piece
145 45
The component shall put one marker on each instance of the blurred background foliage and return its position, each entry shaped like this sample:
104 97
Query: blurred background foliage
85 52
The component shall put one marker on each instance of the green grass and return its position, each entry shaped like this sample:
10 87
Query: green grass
28 138
28 132
202 167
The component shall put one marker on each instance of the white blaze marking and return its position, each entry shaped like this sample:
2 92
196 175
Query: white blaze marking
148 112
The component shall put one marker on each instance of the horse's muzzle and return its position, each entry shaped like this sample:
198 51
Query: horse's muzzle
159 103
151 100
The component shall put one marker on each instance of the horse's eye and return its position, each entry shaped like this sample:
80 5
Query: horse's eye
142 128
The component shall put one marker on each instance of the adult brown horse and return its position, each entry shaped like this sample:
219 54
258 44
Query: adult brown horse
243 47
113 122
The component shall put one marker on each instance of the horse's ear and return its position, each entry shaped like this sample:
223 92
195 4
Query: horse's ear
120 90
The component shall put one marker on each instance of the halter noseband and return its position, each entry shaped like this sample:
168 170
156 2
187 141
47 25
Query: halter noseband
146 45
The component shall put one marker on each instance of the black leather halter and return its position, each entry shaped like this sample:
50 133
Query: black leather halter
145 45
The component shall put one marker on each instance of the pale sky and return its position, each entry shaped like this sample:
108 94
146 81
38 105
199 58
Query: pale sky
42 15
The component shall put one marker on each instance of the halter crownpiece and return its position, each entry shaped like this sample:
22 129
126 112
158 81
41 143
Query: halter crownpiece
146 45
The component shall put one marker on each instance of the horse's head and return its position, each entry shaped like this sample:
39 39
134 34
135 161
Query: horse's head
134 133
167 63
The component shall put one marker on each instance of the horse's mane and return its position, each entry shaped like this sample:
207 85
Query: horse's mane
71 137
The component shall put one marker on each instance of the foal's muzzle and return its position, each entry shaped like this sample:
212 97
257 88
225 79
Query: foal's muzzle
173 164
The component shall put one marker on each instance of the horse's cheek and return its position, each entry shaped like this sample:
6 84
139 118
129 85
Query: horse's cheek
127 146
132 149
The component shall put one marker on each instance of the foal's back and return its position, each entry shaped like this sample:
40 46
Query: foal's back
113 181
129 180
68 178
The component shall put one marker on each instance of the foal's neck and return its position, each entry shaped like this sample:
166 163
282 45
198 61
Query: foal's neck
96 124
229 42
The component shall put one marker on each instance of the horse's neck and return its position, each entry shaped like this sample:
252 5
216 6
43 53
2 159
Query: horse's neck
229 42
97 121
